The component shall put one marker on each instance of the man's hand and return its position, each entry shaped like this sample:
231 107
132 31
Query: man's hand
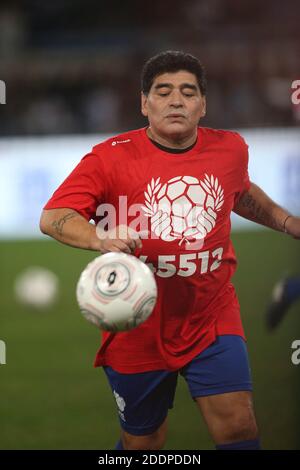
292 227
69 227
122 238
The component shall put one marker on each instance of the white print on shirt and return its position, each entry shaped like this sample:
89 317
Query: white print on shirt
201 262
184 207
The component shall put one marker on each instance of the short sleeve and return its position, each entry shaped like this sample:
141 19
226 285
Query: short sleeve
83 190
245 182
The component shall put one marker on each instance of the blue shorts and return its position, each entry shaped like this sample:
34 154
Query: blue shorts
143 399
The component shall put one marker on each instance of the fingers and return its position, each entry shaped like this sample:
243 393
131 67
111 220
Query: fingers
137 236
124 246
132 240
116 246
138 243
124 239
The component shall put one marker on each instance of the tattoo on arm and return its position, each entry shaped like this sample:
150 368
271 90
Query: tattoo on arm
59 224
257 213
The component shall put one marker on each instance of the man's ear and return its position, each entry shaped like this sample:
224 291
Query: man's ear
144 104
203 106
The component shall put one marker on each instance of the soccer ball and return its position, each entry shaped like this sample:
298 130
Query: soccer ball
116 292
36 287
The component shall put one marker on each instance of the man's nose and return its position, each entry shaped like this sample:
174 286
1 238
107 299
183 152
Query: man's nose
176 99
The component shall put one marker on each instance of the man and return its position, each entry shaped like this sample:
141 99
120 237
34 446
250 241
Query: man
195 328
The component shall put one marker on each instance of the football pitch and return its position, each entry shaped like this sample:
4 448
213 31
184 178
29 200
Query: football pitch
51 397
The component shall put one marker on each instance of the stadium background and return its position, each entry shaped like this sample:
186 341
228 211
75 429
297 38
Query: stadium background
72 68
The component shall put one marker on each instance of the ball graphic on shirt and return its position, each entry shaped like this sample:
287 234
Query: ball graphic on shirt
184 207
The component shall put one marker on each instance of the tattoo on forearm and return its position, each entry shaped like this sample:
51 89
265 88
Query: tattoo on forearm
258 213
59 224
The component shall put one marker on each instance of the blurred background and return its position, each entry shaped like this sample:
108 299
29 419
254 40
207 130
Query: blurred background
74 66
72 75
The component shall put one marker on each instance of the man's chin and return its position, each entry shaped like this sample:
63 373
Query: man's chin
177 131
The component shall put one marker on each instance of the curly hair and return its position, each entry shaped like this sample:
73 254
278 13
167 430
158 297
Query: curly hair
172 61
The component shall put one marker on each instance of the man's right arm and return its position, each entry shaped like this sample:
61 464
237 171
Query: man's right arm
69 227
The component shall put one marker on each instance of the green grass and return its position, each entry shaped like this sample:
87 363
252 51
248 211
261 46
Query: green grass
51 397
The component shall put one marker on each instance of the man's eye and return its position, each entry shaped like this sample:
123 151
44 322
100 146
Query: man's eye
188 94
163 94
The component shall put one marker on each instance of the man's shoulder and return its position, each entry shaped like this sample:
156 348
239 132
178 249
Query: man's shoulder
222 136
120 142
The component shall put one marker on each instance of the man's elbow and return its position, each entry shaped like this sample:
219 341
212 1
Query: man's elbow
44 224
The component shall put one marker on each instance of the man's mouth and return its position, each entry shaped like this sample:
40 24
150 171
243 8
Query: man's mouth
175 116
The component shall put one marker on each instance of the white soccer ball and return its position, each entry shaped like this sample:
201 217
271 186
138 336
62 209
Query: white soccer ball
116 292
36 287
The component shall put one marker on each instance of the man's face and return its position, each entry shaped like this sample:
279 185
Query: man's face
174 105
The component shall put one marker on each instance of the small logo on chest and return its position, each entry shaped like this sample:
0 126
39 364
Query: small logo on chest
116 142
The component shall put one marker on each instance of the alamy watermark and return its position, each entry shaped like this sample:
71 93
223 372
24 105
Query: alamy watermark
296 353
2 92
2 352
295 97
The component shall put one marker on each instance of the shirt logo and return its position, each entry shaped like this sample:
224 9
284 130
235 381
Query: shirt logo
115 142
184 208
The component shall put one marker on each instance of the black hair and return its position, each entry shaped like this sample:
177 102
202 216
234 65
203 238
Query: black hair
172 61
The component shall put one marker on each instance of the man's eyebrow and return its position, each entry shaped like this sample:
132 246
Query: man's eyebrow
189 85
169 85
163 85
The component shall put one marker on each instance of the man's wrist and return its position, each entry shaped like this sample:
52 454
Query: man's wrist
286 223
96 244
285 229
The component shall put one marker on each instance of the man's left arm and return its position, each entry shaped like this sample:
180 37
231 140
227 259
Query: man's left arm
257 206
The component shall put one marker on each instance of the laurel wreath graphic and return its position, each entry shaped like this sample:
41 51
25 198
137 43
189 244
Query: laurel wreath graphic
212 187
150 202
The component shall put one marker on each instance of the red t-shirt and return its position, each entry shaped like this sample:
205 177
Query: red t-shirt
182 199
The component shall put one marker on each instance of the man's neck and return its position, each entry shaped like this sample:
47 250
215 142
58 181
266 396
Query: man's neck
172 143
